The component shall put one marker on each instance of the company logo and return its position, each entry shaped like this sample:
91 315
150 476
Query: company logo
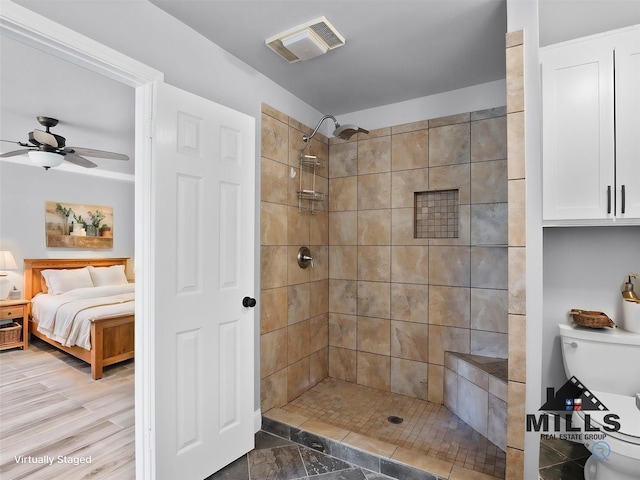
557 416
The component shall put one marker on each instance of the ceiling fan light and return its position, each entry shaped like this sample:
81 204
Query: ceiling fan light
45 159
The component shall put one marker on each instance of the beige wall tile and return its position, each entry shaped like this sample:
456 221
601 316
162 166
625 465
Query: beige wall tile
452 177
498 388
489 224
278 115
515 464
410 150
450 393
489 182
343 194
274 139
450 266
488 113
451 361
343 262
374 299
514 38
374 263
409 378
273 263
318 332
325 430
517 213
374 227
374 155
374 371
297 379
273 391
517 348
319 229
475 375
446 339
497 422
274 181
409 340
464 229
343 296
489 139
318 297
343 159
298 227
373 335
318 366
298 303
517 280
489 310
343 228
342 364
410 302
376 132
405 183
450 306
449 145
489 344
516 414
369 444
436 384
273 224
449 120
409 127
320 269
342 330
273 348
273 309
297 341
403 228
515 79
473 405
374 191
489 267
410 264
515 146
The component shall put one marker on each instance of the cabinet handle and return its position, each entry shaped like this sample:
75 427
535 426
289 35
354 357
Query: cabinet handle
608 198
622 200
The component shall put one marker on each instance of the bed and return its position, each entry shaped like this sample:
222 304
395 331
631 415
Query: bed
110 333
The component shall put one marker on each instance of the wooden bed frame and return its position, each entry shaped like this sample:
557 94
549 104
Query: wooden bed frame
112 338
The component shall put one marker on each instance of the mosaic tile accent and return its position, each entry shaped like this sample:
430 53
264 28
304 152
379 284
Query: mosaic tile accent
437 214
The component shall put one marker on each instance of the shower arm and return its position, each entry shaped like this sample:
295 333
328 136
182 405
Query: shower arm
306 138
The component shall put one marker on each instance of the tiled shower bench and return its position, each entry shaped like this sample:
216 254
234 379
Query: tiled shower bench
475 389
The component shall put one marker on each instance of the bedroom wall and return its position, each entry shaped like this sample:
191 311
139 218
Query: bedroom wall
23 192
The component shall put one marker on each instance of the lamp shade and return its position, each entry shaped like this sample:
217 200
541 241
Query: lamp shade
7 262
45 159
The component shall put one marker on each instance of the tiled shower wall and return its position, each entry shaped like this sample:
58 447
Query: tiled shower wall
293 301
380 307
397 303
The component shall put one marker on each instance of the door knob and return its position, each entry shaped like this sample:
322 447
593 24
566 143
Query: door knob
248 302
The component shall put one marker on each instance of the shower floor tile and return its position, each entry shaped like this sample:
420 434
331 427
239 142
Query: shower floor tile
428 428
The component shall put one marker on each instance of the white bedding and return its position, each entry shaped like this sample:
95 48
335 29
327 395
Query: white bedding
66 318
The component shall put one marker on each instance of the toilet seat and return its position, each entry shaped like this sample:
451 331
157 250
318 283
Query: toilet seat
621 405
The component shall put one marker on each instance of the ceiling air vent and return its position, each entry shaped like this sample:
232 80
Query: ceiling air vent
306 41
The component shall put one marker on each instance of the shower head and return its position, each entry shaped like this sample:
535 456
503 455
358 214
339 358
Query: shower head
344 132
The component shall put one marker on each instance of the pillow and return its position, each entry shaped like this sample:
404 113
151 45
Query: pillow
103 276
61 281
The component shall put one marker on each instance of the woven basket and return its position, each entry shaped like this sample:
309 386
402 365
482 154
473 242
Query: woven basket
591 319
10 334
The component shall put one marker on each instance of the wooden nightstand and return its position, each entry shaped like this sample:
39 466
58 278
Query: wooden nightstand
16 310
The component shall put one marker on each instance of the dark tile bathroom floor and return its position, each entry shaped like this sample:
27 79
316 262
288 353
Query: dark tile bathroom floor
275 458
562 460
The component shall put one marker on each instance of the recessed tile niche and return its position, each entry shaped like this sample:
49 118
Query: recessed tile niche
436 214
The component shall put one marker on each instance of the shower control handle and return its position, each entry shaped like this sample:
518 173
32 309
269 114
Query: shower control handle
304 258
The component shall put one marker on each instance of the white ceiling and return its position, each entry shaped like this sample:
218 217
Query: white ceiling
395 50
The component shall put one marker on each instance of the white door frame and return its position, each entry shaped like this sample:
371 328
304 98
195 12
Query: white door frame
32 29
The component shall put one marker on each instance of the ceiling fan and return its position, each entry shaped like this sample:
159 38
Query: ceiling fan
49 150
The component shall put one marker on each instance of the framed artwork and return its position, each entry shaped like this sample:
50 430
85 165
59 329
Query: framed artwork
74 225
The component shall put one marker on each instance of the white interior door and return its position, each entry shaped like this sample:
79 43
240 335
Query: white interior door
203 224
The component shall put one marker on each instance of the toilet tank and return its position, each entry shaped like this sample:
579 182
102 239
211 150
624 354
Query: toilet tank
607 360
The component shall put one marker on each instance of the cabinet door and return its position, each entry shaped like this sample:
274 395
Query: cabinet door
578 131
627 55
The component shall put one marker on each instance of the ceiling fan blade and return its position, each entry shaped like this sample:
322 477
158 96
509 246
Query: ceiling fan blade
89 152
16 152
78 160
45 138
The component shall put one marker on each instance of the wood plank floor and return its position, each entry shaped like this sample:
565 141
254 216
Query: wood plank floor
51 410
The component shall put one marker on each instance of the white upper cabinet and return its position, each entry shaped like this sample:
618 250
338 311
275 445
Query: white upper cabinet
591 130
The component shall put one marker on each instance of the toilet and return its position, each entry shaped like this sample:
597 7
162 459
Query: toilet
607 362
